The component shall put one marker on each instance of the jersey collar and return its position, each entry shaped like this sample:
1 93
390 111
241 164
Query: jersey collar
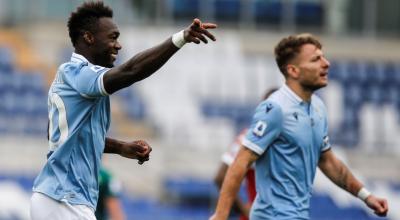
292 95
78 58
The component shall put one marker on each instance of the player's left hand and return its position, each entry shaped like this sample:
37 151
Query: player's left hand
197 32
379 205
139 150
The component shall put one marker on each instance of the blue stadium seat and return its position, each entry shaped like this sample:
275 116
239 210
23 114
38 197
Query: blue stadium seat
353 73
310 13
190 191
185 8
227 10
391 74
267 12
6 60
133 104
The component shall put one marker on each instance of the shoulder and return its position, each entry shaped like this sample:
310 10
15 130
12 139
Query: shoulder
270 107
93 69
269 112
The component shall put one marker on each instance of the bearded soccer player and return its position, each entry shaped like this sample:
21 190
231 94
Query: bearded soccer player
288 140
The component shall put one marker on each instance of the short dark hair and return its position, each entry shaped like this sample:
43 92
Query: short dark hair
289 47
85 18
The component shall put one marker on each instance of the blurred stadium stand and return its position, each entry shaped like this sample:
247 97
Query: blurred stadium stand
191 110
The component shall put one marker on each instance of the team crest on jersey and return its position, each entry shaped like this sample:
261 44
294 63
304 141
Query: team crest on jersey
269 107
97 68
260 128
296 115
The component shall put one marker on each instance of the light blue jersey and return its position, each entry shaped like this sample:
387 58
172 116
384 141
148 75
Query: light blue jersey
289 135
79 114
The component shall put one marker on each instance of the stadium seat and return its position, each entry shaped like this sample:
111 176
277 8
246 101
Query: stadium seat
6 60
267 12
227 10
309 13
185 8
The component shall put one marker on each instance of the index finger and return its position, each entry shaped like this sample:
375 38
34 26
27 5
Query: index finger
209 26
208 34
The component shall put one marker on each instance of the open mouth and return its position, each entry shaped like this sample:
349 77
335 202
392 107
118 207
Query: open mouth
114 56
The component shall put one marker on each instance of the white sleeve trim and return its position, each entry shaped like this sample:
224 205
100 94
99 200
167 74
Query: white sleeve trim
252 146
326 148
101 85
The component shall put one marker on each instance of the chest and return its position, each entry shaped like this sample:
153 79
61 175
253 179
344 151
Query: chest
304 128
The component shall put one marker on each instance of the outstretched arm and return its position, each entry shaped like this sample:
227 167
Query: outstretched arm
338 173
232 181
147 62
139 149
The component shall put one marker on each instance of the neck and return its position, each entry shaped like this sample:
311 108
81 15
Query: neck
304 93
85 53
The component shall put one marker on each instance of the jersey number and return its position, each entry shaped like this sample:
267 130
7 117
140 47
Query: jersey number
57 103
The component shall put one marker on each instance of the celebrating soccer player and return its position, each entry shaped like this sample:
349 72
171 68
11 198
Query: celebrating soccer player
79 110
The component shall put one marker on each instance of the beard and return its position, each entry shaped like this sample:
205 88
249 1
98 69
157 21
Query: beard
312 86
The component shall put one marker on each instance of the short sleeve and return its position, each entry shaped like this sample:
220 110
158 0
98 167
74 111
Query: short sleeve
265 127
89 81
326 145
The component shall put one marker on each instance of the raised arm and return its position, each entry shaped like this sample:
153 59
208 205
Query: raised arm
139 149
232 182
339 174
147 62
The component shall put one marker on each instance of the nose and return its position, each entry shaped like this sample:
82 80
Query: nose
326 62
118 46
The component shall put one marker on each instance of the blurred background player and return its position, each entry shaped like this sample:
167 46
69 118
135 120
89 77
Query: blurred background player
79 110
109 206
227 159
288 139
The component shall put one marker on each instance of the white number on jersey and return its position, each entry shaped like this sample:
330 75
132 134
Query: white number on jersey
57 102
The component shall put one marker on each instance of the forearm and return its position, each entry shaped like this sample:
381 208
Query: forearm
113 146
339 174
140 66
238 205
230 189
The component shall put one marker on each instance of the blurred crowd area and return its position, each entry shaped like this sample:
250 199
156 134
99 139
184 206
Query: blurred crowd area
191 110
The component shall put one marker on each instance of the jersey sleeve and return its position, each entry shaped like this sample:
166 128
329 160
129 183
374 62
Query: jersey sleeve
265 127
326 145
89 81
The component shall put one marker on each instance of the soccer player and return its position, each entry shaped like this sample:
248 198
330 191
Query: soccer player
227 159
79 110
108 204
288 139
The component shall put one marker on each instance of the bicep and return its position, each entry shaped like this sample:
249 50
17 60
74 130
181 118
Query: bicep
329 163
246 156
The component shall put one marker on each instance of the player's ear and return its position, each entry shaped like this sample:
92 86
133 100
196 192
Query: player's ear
88 38
293 71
